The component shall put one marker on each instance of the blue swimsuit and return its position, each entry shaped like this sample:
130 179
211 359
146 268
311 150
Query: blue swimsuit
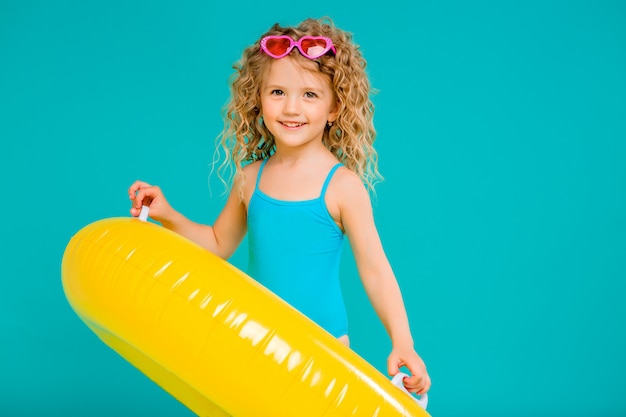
295 251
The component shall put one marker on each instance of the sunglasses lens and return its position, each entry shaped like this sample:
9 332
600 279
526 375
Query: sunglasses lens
278 46
314 47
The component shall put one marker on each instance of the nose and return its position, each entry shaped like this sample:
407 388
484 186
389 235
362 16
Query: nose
292 105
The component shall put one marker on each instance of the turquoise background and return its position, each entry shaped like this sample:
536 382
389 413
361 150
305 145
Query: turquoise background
502 137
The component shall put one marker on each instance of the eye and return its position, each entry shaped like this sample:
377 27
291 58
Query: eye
310 94
277 92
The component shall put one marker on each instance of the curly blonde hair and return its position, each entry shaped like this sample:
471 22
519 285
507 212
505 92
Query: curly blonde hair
245 138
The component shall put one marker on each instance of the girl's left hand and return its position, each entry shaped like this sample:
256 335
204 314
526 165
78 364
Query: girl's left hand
419 380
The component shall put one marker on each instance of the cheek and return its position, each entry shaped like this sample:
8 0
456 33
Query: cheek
267 105
268 111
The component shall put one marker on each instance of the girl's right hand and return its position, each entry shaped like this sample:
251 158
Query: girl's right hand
143 194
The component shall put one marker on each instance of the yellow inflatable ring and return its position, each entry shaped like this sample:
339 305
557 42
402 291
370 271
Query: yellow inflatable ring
198 327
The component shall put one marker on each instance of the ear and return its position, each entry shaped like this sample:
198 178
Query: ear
333 113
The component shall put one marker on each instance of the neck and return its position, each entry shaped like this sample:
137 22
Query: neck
300 155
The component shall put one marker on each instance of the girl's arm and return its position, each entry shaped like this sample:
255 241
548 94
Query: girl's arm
221 239
379 280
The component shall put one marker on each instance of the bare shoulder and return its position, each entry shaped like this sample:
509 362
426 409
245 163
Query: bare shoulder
347 183
247 181
250 171
346 194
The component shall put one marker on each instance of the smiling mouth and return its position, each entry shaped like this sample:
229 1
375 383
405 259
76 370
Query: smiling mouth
292 124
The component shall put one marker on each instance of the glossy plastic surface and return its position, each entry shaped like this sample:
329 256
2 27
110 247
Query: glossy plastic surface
212 336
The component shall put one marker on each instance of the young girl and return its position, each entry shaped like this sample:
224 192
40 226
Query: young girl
298 132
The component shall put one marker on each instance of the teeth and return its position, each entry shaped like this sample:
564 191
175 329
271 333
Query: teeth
290 124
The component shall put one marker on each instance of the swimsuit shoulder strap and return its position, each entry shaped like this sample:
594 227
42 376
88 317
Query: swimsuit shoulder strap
258 176
328 178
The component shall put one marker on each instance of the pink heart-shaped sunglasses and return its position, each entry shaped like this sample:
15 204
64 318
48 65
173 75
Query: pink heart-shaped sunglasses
311 47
